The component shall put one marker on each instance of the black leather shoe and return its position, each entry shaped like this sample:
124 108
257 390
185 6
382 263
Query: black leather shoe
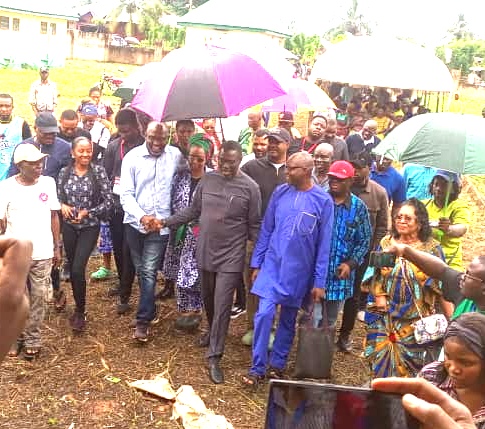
215 372
344 344
204 340
167 292
123 308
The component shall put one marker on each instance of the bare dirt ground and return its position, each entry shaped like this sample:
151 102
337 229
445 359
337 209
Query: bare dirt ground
69 386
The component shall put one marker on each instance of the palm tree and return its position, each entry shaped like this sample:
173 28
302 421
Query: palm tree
131 7
354 23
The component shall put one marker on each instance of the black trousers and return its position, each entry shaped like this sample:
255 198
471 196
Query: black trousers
78 244
354 303
121 250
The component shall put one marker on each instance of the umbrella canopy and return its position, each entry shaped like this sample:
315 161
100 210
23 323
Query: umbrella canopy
302 95
406 65
205 82
133 82
448 141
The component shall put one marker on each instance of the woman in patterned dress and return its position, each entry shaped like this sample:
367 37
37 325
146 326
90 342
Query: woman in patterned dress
390 344
180 265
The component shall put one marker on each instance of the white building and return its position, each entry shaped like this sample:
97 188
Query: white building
34 33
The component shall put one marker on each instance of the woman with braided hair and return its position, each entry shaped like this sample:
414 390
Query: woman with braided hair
180 265
462 374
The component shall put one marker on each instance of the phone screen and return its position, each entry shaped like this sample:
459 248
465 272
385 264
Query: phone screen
305 405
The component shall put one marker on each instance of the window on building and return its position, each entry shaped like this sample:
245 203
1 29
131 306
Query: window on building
53 29
4 23
15 24
43 27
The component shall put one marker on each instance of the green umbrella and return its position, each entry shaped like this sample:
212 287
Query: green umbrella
448 141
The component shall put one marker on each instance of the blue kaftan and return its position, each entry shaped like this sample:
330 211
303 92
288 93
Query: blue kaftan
293 245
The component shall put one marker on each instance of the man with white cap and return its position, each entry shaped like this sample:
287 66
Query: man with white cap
21 195
43 93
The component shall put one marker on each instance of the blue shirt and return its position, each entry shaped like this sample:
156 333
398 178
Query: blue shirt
145 184
351 240
10 137
417 179
293 246
59 156
392 182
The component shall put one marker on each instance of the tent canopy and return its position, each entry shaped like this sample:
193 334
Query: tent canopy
401 65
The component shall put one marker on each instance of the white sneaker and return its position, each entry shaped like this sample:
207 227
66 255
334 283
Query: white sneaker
361 316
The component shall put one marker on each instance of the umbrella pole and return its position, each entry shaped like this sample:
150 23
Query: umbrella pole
222 131
447 196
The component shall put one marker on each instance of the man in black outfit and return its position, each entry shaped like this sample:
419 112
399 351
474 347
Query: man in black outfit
129 137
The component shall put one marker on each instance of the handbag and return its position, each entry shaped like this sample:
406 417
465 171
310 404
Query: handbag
426 329
315 349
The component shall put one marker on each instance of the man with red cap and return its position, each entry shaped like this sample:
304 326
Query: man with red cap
351 238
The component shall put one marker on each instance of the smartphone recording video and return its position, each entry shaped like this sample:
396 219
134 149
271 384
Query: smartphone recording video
382 259
307 405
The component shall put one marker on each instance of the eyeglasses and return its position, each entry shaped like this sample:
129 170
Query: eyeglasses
405 218
477 279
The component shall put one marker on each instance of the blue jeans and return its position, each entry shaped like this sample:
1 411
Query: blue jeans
147 252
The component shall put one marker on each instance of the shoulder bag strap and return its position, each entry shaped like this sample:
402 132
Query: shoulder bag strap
407 282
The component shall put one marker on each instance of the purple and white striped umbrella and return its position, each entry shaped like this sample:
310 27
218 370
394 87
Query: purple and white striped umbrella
204 82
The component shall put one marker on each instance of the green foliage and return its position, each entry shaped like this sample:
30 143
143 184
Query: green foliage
463 52
306 47
354 23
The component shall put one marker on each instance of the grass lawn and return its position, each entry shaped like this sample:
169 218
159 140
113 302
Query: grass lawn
73 82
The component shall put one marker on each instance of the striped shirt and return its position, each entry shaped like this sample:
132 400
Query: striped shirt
351 239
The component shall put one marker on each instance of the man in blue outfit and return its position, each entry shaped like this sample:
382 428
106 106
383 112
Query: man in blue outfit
391 180
290 261
351 239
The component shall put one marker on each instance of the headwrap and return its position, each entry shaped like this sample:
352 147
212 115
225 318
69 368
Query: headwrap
202 140
472 339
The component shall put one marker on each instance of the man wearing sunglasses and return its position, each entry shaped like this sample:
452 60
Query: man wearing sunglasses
465 290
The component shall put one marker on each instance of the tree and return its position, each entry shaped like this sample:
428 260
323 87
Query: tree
463 53
181 7
131 7
460 29
155 31
303 46
354 23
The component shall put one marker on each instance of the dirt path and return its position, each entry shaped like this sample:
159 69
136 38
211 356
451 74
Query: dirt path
67 387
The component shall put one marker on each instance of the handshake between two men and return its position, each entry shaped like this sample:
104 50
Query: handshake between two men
151 224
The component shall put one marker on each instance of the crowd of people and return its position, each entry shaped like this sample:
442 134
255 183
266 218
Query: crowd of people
265 226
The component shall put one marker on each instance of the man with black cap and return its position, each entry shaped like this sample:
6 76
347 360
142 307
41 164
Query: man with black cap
314 137
268 172
285 121
374 197
13 130
43 93
47 142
